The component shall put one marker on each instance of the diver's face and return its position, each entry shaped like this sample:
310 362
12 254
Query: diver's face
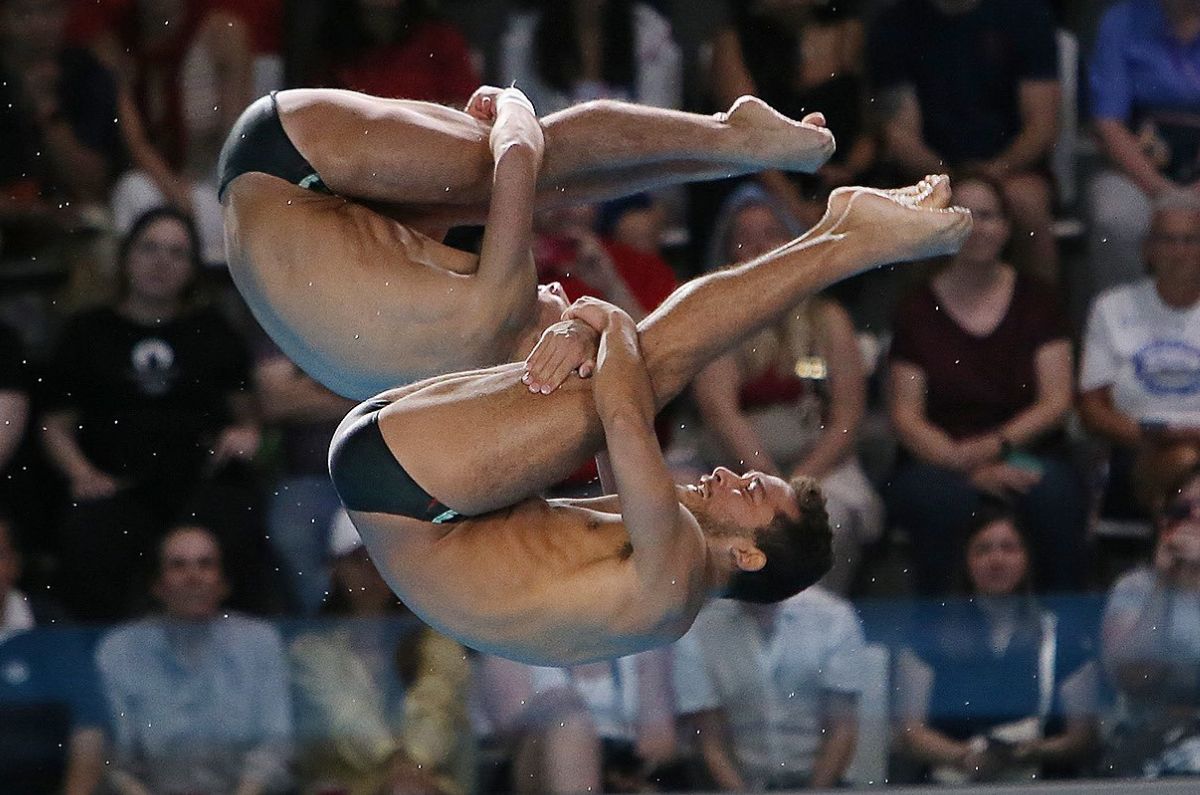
726 503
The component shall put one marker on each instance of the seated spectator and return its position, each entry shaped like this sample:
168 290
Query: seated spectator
995 687
790 400
801 57
537 727
770 692
60 145
1140 380
1150 640
980 384
303 501
51 710
186 72
147 412
973 85
197 695
381 699
560 54
401 49
631 709
1145 101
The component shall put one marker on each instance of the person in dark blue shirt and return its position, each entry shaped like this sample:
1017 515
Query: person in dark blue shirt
972 85
51 712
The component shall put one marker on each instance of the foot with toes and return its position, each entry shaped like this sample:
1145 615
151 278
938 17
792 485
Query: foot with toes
777 141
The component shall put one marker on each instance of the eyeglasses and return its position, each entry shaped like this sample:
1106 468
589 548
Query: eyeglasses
1181 510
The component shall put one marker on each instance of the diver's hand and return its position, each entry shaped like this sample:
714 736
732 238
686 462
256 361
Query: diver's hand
567 346
596 313
482 104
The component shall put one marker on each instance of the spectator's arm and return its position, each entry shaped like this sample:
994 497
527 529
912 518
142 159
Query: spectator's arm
903 138
285 393
80 168
126 784
1078 695
839 738
265 766
435 707
1102 418
113 668
14 408
85 761
241 438
1053 368
1039 104
232 63
145 156
1133 644
62 448
659 79
712 733
847 392
914 683
1123 149
906 406
656 709
715 390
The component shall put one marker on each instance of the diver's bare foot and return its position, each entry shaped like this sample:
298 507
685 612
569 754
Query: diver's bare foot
775 141
902 225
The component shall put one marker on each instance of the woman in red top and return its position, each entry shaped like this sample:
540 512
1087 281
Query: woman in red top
979 387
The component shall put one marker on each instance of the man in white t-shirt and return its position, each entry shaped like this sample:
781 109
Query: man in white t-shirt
1141 356
770 692
1140 380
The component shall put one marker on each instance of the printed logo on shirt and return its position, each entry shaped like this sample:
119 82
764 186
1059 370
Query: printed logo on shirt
16 673
153 366
1168 367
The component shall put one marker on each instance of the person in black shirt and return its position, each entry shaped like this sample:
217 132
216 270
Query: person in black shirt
148 404
973 85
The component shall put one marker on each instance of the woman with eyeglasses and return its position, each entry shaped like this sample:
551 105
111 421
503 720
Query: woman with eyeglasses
1140 380
1151 631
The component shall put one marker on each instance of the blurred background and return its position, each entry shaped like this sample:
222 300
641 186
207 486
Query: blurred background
185 609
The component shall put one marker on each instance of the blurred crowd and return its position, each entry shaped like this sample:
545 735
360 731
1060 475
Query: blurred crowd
1008 440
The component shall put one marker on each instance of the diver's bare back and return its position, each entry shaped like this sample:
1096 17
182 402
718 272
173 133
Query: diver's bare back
545 583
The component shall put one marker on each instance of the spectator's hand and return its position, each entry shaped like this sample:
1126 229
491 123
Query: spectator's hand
92 484
1002 479
565 347
972 453
482 104
594 312
236 442
982 765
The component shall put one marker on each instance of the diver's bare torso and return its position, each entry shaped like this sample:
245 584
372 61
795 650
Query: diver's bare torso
547 583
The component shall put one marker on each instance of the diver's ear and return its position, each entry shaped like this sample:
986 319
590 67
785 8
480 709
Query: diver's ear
746 556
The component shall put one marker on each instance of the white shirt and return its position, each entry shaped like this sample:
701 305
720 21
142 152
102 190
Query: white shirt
770 688
1148 352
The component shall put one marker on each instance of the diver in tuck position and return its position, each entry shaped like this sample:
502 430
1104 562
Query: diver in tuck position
439 476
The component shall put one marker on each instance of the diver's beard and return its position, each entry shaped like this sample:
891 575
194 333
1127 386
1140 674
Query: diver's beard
711 527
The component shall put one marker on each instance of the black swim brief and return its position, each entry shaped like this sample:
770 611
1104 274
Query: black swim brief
258 142
369 478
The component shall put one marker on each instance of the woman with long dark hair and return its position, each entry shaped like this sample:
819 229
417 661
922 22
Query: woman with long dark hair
994 686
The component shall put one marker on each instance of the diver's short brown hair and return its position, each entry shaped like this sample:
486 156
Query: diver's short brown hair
799 551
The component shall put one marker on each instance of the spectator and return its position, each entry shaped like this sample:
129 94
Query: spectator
186 70
381 699
995 687
198 697
770 692
147 408
401 49
980 384
1140 380
1150 640
14 396
1145 100
982 95
304 502
51 712
539 725
790 400
801 57
562 53
59 141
